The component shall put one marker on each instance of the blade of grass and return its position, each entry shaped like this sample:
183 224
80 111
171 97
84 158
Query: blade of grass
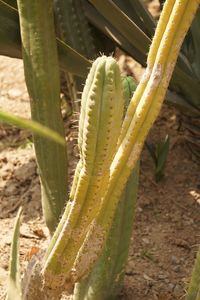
14 282
34 126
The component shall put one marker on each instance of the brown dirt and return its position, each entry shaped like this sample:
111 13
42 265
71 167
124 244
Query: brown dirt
165 236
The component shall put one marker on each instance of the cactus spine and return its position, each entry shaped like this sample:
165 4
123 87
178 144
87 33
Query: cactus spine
100 122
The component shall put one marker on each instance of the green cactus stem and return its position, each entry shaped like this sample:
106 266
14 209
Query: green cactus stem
73 28
42 79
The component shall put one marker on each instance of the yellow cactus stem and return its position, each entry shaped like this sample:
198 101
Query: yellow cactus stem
136 131
161 27
100 122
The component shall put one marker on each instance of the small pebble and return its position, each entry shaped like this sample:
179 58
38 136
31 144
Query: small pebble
162 276
174 260
176 269
171 286
177 290
145 240
14 93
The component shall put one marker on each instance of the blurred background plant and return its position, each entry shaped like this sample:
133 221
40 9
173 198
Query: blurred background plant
159 152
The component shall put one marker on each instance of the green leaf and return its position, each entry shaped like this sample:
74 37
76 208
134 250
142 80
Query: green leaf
162 152
10 42
152 151
159 154
127 34
31 125
144 14
14 283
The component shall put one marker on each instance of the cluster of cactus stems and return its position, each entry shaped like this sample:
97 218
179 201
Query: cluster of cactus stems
109 145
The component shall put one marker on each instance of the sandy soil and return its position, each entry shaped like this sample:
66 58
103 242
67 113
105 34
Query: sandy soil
165 235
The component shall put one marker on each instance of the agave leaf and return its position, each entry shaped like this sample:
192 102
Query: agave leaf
186 86
143 13
128 30
181 104
152 151
159 154
162 153
127 27
195 45
102 24
9 31
12 3
10 43
137 12
31 125
72 61
14 283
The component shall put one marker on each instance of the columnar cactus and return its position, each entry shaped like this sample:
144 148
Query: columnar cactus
99 125
73 29
42 79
